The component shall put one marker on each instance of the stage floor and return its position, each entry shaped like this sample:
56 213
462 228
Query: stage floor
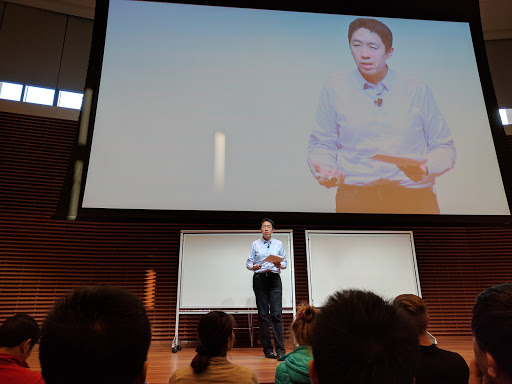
162 362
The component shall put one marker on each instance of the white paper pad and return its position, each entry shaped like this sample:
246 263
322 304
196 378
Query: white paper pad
273 259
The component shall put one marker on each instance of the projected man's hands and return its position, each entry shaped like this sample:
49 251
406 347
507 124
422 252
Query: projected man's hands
415 172
328 178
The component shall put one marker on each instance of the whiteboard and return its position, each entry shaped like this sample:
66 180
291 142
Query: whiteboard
380 261
212 272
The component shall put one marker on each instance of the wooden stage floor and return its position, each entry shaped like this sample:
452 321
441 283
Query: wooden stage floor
162 362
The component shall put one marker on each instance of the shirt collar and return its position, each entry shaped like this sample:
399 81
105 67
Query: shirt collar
386 82
13 359
266 242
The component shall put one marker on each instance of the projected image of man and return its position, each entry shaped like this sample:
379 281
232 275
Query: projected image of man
379 135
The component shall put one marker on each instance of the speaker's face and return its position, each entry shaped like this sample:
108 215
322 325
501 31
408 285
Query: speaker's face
370 54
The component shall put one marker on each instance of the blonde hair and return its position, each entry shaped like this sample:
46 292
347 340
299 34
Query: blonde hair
302 324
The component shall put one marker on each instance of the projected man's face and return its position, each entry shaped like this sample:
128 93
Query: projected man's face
370 54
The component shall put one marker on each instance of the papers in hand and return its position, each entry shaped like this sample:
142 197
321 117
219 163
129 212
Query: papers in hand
401 161
273 259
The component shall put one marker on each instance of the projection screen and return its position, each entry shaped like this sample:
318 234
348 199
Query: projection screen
207 108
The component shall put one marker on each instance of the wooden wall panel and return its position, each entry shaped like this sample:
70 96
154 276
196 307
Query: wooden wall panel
41 258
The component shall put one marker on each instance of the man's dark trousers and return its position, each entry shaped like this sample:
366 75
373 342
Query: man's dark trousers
269 296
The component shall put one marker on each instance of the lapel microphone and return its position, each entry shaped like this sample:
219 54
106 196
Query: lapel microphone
378 102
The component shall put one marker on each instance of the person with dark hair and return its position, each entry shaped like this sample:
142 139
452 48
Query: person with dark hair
95 335
492 336
374 26
379 136
268 289
359 338
210 365
436 365
294 369
18 335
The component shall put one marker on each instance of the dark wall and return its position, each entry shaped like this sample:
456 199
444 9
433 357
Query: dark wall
44 48
499 56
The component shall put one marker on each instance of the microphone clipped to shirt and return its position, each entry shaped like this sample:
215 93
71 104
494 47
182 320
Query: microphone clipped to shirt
374 91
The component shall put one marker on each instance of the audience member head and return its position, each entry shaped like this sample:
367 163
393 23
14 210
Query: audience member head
374 26
492 331
360 338
95 335
216 338
18 335
414 308
303 324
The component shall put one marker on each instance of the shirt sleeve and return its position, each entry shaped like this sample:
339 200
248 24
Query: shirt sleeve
250 260
282 253
441 152
323 141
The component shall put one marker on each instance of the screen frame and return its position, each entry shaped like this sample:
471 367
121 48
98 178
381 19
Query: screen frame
457 10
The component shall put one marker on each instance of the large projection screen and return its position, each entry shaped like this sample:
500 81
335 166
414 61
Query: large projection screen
199 107
212 272
383 262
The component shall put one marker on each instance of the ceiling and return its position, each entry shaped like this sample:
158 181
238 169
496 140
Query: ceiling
496 14
496 18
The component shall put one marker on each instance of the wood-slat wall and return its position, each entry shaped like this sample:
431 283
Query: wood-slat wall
41 258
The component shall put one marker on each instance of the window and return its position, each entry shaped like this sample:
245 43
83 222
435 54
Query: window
70 100
11 91
38 95
506 116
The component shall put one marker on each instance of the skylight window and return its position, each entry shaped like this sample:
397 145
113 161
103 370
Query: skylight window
38 95
10 91
506 116
71 100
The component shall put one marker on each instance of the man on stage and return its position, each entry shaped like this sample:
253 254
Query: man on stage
267 287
